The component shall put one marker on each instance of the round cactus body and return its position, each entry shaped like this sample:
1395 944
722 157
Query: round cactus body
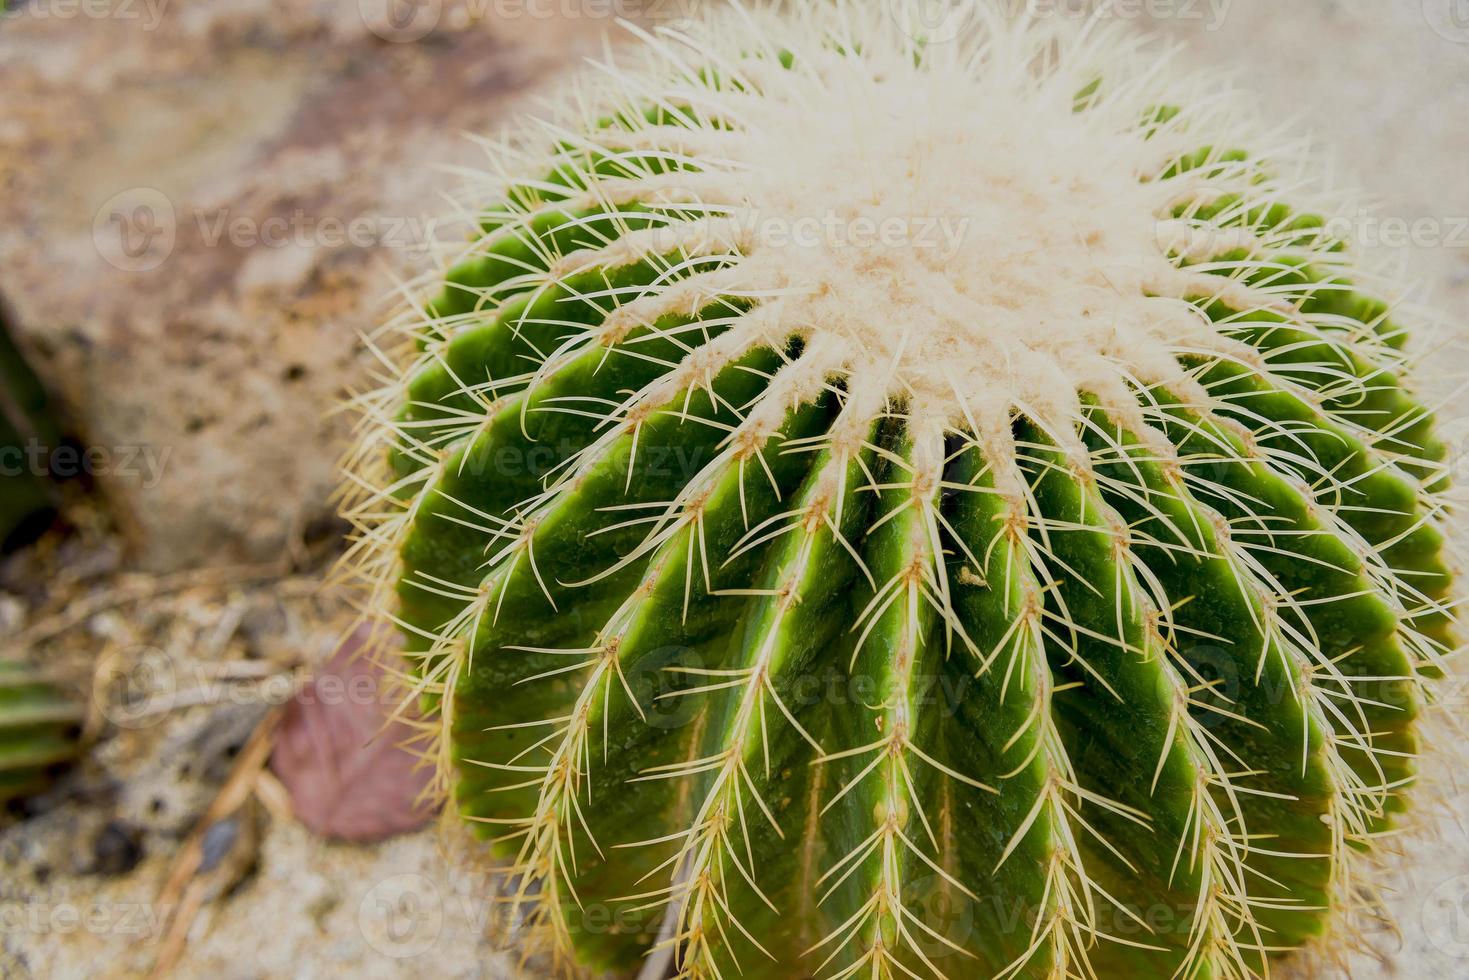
38 731
880 503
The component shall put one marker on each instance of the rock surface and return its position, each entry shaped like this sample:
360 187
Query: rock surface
202 211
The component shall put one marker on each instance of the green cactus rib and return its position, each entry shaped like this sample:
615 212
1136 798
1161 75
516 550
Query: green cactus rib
38 731
27 499
768 621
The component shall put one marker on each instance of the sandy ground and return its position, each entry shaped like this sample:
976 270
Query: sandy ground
210 573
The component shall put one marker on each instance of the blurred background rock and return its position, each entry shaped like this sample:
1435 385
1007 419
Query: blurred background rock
201 207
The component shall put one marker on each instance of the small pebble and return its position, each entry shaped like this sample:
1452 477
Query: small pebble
117 850
12 615
218 841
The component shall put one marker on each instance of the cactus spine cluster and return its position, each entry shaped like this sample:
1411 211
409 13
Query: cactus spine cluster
868 503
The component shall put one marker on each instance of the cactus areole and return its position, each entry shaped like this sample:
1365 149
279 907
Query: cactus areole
894 503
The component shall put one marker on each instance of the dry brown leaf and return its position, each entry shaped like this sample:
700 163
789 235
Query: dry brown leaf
347 763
